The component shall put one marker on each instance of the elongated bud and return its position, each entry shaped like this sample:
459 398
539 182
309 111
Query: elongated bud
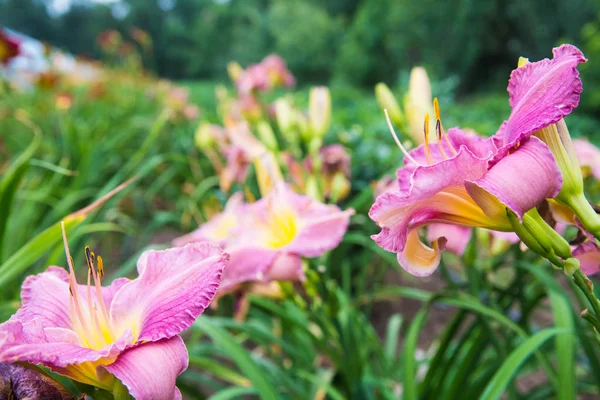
285 116
266 136
268 172
419 102
340 187
386 100
204 138
234 70
312 188
540 237
319 110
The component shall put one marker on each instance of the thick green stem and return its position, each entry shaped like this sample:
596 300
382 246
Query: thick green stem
586 214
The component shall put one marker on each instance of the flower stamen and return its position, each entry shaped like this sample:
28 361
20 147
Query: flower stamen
426 133
440 128
404 151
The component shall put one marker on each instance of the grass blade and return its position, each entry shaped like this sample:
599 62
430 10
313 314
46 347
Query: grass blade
509 368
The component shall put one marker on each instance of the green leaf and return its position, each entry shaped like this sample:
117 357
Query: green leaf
232 393
391 336
410 364
565 346
220 371
239 355
10 182
509 368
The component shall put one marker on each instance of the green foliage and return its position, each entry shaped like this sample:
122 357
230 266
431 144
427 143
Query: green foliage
362 41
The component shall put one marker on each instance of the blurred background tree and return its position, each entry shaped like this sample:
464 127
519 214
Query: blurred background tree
358 41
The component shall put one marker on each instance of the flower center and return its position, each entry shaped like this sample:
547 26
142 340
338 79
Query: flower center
89 315
281 226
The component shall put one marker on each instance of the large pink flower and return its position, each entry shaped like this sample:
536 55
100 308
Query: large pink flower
462 190
96 334
472 181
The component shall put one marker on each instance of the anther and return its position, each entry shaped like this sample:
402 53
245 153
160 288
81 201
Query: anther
100 267
426 133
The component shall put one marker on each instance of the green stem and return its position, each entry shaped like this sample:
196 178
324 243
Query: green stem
585 213
582 282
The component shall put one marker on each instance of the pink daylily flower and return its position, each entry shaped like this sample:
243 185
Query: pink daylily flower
271 236
96 334
264 76
472 181
452 182
588 156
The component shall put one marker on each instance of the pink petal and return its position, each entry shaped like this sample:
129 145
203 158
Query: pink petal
482 147
53 347
247 264
220 227
286 267
427 199
588 156
419 259
542 93
457 237
174 287
149 370
46 297
318 227
520 181
319 234
588 255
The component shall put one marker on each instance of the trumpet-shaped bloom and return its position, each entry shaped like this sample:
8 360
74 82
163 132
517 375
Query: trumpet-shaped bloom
452 183
96 334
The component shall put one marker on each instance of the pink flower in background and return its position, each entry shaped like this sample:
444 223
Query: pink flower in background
264 76
588 156
96 334
267 239
221 227
279 74
588 255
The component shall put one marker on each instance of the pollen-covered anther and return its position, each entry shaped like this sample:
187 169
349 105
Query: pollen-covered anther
426 134
439 129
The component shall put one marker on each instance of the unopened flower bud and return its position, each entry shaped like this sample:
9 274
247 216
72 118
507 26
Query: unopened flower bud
266 136
319 110
387 101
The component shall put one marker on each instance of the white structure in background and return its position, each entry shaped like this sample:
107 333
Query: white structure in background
31 61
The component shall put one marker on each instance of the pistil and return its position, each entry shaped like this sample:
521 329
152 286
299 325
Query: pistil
404 151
